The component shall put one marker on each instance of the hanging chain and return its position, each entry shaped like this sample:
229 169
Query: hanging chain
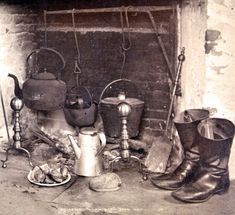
162 46
75 36
125 46
45 27
77 69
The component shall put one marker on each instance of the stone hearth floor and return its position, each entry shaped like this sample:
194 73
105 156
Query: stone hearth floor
136 197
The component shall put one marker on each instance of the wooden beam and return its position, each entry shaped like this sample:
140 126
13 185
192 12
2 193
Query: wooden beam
142 9
104 29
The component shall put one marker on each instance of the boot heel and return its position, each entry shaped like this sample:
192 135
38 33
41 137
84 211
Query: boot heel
224 189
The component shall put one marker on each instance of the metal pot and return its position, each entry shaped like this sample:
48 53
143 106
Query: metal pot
79 108
88 152
110 115
43 90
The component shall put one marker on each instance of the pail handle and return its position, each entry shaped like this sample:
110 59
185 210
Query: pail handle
36 51
115 81
85 88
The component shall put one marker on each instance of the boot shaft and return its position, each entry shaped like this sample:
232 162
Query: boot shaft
215 137
186 124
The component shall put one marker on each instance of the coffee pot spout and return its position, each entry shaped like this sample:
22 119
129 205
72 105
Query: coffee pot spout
75 146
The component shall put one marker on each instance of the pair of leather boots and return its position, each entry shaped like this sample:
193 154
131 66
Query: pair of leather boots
204 170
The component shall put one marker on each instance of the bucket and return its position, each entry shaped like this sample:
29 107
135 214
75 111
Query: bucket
110 116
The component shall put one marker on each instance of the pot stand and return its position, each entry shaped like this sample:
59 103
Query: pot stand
16 105
124 110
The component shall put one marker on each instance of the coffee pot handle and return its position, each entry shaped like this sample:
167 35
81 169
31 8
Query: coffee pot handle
102 138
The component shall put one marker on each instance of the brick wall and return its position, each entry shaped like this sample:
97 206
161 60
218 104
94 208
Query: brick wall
17 39
99 38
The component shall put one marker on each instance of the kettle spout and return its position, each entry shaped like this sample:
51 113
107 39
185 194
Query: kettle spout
18 90
76 148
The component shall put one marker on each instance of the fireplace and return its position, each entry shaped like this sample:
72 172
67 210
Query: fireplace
27 26
99 38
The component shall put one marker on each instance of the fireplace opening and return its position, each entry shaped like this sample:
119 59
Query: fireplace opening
97 37
97 50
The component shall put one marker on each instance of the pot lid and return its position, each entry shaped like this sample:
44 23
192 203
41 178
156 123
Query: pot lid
88 131
116 101
43 76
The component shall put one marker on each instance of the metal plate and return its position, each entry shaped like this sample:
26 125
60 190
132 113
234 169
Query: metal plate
48 185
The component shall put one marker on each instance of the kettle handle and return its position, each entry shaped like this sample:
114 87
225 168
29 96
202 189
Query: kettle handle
102 138
36 51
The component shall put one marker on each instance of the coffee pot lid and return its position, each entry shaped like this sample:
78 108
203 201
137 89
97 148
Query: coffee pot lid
88 131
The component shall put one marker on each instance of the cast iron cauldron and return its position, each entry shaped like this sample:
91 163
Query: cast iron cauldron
79 109
110 115
43 90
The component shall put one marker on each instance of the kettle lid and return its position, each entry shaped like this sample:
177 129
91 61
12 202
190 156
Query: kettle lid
88 131
43 76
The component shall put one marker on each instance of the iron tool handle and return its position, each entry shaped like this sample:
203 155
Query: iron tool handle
181 58
162 46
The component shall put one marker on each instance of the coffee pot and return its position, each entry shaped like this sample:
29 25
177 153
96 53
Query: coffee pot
88 151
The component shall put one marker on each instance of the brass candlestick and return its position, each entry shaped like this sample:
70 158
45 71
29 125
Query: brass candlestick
16 105
124 109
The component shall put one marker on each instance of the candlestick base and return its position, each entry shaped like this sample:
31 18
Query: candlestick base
124 110
16 105
119 158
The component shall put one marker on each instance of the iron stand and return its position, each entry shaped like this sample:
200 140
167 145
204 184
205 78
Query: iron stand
16 105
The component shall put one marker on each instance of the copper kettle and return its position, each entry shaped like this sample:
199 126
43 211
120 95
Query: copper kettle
43 90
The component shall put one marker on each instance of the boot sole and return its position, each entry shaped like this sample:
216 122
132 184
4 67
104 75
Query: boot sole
218 192
164 188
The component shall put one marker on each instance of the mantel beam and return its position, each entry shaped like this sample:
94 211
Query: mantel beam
143 9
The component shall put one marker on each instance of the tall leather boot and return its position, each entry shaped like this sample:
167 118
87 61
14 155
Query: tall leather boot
186 126
215 140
